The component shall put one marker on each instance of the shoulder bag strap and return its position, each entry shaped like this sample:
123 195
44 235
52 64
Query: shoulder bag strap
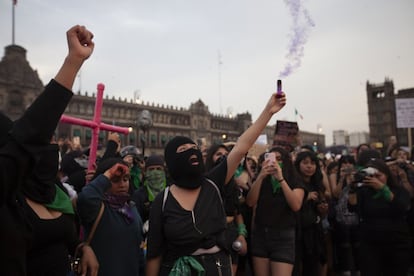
95 224
165 197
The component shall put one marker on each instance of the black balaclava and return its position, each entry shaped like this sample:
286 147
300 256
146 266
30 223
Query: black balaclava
184 174
40 186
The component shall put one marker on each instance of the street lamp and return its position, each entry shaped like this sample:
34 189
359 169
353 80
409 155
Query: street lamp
144 123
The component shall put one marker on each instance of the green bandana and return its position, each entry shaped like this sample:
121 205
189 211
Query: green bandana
155 182
184 265
61 203
136 176
275 183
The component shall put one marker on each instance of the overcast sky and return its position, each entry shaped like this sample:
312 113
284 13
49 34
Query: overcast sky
229 53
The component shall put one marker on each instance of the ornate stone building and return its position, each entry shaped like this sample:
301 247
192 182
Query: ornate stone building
20 84
195 122
382 113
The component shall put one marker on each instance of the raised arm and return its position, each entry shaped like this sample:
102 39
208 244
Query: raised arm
38 123
80 46
247 139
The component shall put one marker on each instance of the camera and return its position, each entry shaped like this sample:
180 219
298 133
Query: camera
361 175
403 165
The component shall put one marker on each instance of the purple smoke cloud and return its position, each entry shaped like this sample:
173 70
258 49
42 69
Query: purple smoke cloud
302 22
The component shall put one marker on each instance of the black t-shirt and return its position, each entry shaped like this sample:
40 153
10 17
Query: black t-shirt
272 208
176 232
53 240
383 221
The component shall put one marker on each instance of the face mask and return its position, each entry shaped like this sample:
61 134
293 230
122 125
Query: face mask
182 172
187 175
155 180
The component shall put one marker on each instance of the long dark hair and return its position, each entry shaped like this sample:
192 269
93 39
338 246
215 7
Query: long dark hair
289 172
316 178
344 159
210 152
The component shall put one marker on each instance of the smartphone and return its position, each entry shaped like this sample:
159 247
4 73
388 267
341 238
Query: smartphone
279 88
270 156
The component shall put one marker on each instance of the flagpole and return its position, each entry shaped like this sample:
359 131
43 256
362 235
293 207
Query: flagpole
13 5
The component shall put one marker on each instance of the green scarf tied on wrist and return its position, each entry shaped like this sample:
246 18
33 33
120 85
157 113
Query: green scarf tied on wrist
275 183
184 265
384 192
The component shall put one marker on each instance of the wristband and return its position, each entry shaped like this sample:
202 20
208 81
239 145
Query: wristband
384 192
241 229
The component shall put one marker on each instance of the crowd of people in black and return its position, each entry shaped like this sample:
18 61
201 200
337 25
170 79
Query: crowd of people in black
194 211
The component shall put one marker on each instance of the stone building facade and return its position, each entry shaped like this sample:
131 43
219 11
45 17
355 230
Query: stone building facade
382 113
20 85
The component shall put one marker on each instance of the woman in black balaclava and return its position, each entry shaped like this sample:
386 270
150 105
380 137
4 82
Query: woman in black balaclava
187 220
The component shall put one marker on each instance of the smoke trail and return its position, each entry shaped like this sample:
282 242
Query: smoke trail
302 22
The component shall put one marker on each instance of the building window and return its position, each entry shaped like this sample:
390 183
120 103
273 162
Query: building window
163 140
116 112
76 132
379 94
88 133
132 138
90 109
101 136
153 139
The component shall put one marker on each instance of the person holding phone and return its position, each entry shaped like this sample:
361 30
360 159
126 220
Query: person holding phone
187 221
277 196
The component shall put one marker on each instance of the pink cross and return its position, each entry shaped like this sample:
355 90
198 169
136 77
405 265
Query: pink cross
96 125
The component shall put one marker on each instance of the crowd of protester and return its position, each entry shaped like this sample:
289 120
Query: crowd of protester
187 212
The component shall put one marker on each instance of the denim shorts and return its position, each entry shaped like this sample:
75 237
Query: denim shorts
278 245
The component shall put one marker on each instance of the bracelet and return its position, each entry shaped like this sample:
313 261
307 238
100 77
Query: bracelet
281 180
241 229
384 192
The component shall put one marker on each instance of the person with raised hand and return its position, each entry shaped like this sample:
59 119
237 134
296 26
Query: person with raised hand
22 140
187 221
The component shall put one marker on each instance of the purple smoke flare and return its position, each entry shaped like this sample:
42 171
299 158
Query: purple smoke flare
302 22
